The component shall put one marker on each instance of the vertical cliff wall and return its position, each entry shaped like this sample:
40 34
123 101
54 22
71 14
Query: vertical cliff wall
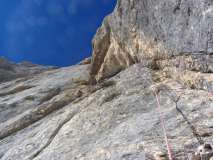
149 30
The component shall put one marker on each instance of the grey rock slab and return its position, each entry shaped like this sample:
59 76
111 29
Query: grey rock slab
57 114
122 127
126 126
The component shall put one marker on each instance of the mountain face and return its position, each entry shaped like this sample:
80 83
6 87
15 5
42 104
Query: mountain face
145 52
10 70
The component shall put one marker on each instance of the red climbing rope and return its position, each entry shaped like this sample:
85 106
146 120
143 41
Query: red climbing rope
169 150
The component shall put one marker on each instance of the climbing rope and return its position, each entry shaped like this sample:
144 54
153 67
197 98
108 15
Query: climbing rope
169 150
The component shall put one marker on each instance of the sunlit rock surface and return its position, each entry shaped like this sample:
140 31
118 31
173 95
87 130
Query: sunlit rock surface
57 115
143 49
150 30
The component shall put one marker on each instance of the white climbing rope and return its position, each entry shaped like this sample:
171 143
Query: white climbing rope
169 150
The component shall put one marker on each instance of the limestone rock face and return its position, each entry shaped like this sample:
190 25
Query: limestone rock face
148 30
57 114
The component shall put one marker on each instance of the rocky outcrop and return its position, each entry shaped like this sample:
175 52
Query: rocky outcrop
58 115
10 70
151 30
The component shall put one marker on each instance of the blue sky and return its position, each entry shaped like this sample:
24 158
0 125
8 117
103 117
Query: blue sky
50 32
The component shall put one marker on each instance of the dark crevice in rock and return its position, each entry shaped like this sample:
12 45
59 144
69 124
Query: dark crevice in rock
189 11
177 7
52 93
111 96
132 4
206 134
30 98
16 90
101 85
1 155
106 84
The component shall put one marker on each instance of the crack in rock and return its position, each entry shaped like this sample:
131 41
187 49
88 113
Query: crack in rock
35 115
191 126
54 134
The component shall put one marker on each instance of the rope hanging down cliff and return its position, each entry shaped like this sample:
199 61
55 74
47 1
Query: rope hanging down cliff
194 130
168 146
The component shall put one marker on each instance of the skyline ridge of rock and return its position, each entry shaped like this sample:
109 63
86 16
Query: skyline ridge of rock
10 70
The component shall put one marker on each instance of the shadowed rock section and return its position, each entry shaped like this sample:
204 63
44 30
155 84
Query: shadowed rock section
10 70
149 30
